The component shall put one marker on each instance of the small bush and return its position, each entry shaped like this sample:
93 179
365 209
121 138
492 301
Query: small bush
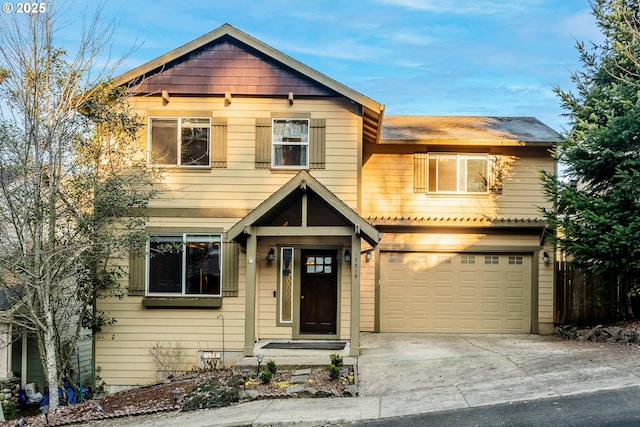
271 367
334 372
214 393
336 360
265 377
9 409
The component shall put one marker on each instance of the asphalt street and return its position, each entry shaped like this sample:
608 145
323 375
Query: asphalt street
620 408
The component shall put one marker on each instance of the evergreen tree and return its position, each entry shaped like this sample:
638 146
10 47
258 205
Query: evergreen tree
597 207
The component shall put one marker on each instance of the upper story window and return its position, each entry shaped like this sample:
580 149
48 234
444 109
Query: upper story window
181 141
184 264
457 173
290 143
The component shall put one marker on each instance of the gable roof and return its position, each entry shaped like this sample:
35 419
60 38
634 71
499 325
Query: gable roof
296 74
463 130
305 180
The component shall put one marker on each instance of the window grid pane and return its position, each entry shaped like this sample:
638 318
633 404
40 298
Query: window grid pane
515 260
467 259
457 173
185 265
180 141
290 143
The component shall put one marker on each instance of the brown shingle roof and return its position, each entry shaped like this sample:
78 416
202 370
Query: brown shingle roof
465 129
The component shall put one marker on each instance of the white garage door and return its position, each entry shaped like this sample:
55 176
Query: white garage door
465 293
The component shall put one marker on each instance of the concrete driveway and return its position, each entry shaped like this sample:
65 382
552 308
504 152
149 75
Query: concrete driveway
407 374
429 372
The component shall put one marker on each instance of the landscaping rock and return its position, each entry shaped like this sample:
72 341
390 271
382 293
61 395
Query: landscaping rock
306 371
351 390
301 391
246 395
299 379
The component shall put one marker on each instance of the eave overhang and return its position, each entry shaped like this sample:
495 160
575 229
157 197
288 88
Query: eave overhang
305 180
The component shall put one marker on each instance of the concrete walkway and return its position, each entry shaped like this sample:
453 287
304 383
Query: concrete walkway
405 374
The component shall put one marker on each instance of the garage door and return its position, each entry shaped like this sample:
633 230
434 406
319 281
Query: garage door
465 293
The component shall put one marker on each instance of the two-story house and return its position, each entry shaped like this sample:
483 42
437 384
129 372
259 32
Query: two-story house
297 211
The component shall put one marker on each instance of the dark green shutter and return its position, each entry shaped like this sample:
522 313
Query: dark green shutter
230 255
137 272
263 143
317 144
420 164
218 142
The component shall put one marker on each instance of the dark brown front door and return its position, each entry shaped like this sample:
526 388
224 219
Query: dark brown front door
318 292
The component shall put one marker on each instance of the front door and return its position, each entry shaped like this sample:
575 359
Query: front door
318 292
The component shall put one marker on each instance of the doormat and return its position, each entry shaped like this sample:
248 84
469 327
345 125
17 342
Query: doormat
306 345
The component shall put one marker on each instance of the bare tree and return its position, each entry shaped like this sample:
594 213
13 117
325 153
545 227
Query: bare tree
73 182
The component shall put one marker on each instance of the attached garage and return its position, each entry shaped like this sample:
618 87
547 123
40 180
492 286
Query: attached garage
455 292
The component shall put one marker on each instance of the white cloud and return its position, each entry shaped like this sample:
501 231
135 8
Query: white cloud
463 7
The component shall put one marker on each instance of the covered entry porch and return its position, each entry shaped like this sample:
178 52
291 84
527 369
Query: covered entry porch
302 267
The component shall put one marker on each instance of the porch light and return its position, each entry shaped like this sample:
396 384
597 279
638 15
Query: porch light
347 255
175 393
545 257
272 255
368 256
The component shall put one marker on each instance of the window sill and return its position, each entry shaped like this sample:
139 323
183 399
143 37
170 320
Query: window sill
182 302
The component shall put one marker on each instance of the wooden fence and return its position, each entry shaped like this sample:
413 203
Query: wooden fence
583 300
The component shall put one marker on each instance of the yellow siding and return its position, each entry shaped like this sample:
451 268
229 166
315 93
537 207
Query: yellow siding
367 293
387 188
240 185
546 303
122 350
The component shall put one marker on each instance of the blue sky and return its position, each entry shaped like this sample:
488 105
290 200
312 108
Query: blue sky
430 57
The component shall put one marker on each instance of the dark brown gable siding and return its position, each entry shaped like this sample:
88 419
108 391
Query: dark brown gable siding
227 65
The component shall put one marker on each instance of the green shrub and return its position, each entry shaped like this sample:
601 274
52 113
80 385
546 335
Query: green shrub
334 372
336 360
10 410
271 367
265 377
214 393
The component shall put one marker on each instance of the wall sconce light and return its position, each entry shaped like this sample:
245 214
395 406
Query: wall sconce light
347 255
545 257
227 98
271 255
290 98
368 256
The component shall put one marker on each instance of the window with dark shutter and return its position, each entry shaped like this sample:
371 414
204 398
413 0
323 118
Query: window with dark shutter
218 142
263 143
137 269
317 144
230 254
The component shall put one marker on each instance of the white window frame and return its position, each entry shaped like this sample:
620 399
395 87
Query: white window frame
180 120
277 143
186 238
461 161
